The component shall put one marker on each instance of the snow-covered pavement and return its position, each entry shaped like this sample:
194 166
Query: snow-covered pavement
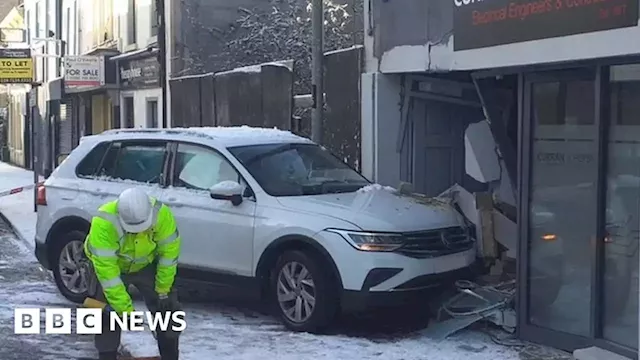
24 284
214 330
18 208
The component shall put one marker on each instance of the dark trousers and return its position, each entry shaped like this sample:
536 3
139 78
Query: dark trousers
144 281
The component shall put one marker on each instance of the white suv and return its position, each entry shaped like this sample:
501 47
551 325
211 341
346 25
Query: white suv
264 212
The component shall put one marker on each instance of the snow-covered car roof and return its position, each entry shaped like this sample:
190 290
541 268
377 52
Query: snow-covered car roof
227 136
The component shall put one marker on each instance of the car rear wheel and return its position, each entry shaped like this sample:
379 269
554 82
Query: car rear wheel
69 266
305 297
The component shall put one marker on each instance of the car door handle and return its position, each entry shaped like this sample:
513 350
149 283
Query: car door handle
99 192
173 202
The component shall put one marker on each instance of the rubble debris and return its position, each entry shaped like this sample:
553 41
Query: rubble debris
474 303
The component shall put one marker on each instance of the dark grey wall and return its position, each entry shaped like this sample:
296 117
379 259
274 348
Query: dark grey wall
219 35
409 22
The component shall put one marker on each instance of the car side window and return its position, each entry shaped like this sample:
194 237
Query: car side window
140 162
197 167
89 165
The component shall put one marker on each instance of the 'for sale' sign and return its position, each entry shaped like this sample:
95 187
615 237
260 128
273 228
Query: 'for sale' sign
83 71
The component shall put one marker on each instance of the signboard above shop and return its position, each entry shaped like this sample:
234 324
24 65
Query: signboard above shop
83 71
484 23
139 73
16 66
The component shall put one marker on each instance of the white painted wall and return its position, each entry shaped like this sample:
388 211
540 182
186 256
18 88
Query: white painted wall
140 105
41 19
379 127
70 26
168 17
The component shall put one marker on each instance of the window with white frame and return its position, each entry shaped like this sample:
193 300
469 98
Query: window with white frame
131 23
28 22
152 113
154 18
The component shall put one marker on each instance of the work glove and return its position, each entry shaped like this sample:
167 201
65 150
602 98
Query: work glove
164 303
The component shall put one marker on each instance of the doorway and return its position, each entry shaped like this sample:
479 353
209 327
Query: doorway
152 113
129 112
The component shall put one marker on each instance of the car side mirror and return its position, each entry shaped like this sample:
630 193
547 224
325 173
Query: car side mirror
481 160
227 190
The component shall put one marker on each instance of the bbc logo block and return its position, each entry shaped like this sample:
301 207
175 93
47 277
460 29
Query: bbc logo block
90 321
57 321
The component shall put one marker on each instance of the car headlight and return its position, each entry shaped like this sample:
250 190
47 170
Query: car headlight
366 241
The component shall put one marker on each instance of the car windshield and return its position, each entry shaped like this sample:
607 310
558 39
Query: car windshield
298 169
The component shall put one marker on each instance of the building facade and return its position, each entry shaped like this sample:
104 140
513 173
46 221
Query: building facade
560 83
43 21
13 99
93 38
138 66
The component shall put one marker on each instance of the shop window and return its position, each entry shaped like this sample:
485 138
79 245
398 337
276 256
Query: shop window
564 172
620 293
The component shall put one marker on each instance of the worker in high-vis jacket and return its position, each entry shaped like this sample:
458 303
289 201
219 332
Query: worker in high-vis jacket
134 240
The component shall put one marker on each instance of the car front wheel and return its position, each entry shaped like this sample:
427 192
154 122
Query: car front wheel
305 297
68 266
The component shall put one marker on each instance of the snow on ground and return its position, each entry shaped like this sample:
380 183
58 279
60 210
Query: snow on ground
24 284
229 333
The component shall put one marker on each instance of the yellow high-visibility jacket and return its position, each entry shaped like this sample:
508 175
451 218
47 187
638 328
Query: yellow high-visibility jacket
113 252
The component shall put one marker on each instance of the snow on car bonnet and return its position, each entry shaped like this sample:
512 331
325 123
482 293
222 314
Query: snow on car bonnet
375 187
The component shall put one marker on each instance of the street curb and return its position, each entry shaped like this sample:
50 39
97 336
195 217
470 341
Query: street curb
24 240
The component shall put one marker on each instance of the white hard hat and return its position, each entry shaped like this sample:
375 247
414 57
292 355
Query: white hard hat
135 210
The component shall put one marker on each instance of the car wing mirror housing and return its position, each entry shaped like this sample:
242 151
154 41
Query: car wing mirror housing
227 190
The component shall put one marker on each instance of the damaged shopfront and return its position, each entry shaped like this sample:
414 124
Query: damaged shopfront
559 82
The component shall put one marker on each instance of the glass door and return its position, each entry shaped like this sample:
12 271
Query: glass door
579 208
622 226
559 207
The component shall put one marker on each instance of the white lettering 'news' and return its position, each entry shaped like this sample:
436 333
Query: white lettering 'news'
89 321
134 321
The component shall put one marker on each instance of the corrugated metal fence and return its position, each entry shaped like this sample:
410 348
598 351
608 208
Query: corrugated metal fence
262 96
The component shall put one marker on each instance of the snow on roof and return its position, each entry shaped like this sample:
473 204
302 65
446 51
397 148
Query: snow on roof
226 135
258 67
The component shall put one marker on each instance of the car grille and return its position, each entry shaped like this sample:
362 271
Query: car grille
433 243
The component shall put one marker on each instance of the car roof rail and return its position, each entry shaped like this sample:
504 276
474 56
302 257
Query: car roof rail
140 130
171 131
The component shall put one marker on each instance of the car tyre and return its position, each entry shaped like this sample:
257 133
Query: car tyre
57 250
323 290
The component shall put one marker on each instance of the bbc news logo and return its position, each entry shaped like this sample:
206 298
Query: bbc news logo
89 321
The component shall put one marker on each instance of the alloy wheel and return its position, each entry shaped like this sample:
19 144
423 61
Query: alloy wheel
70 266
296 292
